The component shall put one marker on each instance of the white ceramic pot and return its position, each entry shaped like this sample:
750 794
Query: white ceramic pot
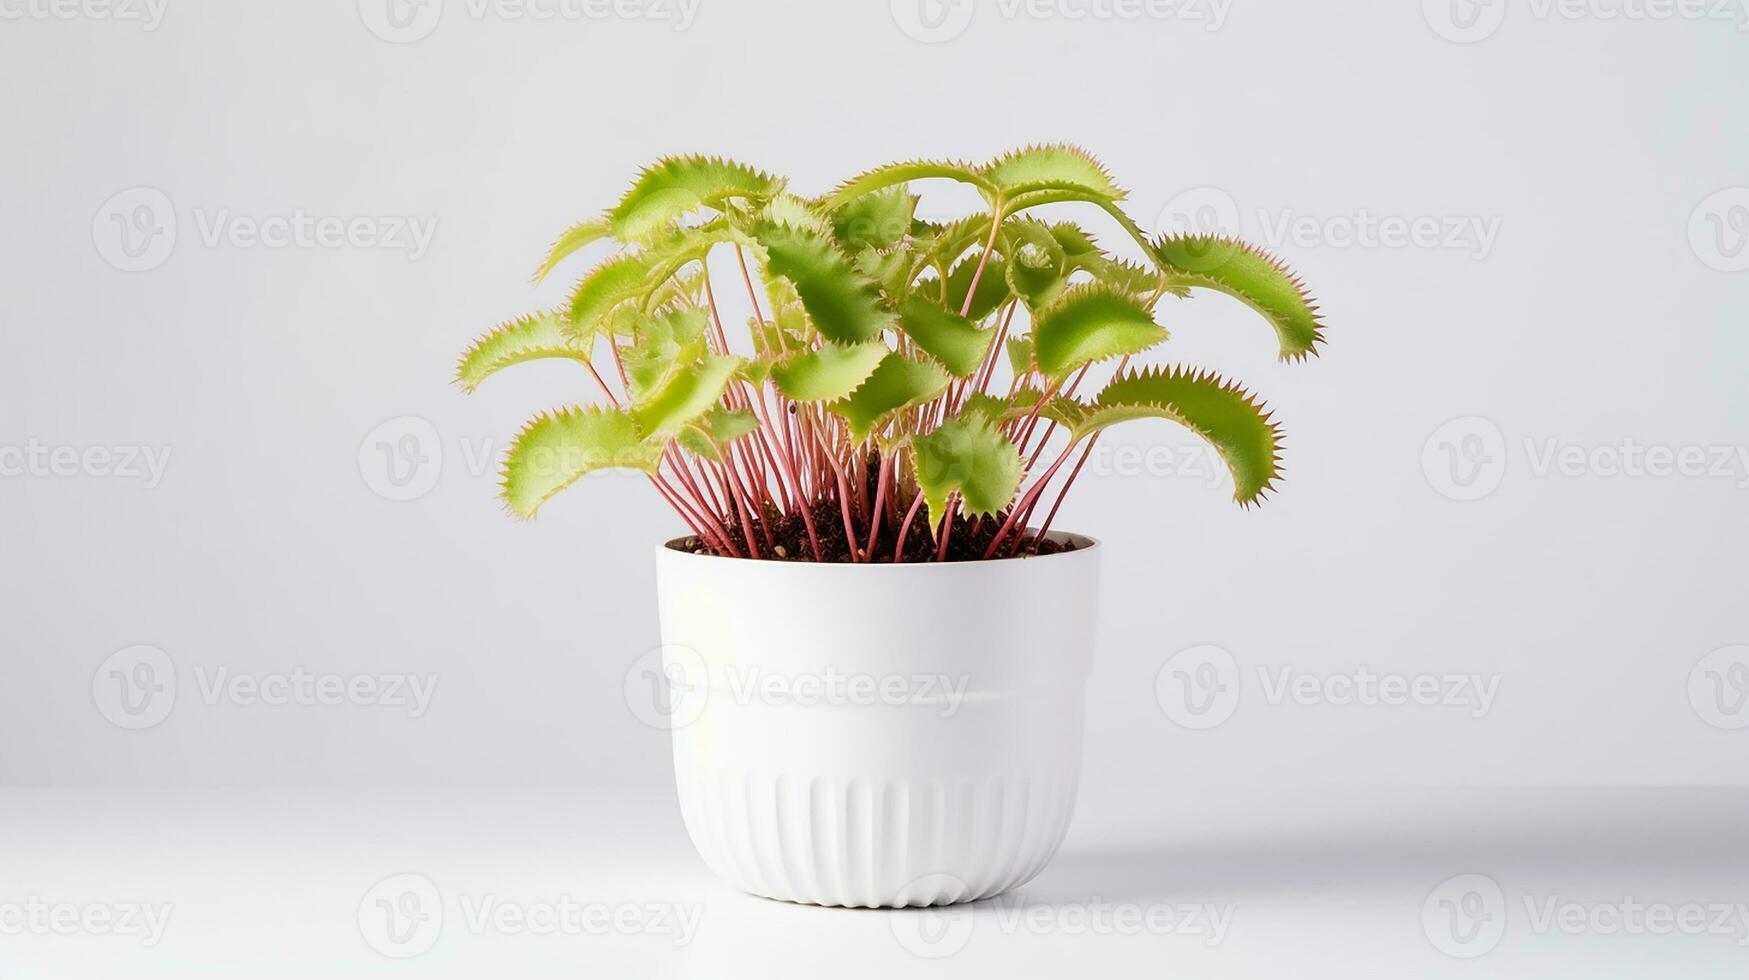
877 735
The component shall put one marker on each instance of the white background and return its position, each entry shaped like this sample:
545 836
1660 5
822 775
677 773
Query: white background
1603 307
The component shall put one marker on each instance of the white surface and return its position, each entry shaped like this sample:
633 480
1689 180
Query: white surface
269 884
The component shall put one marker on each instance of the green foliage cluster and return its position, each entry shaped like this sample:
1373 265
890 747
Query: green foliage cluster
888 375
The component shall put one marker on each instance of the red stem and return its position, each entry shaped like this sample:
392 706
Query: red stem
604 388
704 532
1046 529
880 509
984 259
746 518
988 370
1024 502
953 506
844 505
905 528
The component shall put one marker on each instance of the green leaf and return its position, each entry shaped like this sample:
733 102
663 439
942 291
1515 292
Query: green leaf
897 384
1037 285
946 244
990 408
1018 232
1091 323
569 243
892 271
1066 412
696 441
754 370
609 284
661 347
1052 167
992 286
785 325
1039 198
1081 253
828 373
683 289
538 335
1253 276
788 209
1043 258
1128 277
1223 414
893 174
879 220
727 425
558 449
643 274
670 188
1019 355
685 397
970 456
710 436
944 335
1038 267
1074 240
844 305
998 410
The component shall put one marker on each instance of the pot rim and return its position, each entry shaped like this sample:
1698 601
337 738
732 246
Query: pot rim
1085 544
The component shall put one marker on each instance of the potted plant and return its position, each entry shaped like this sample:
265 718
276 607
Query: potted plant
867 422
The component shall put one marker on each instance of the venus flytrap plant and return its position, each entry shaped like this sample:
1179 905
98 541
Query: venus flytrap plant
858 414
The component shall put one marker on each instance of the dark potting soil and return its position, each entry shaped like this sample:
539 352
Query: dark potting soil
784 537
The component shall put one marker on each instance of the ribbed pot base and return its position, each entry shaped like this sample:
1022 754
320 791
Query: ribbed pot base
868 843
